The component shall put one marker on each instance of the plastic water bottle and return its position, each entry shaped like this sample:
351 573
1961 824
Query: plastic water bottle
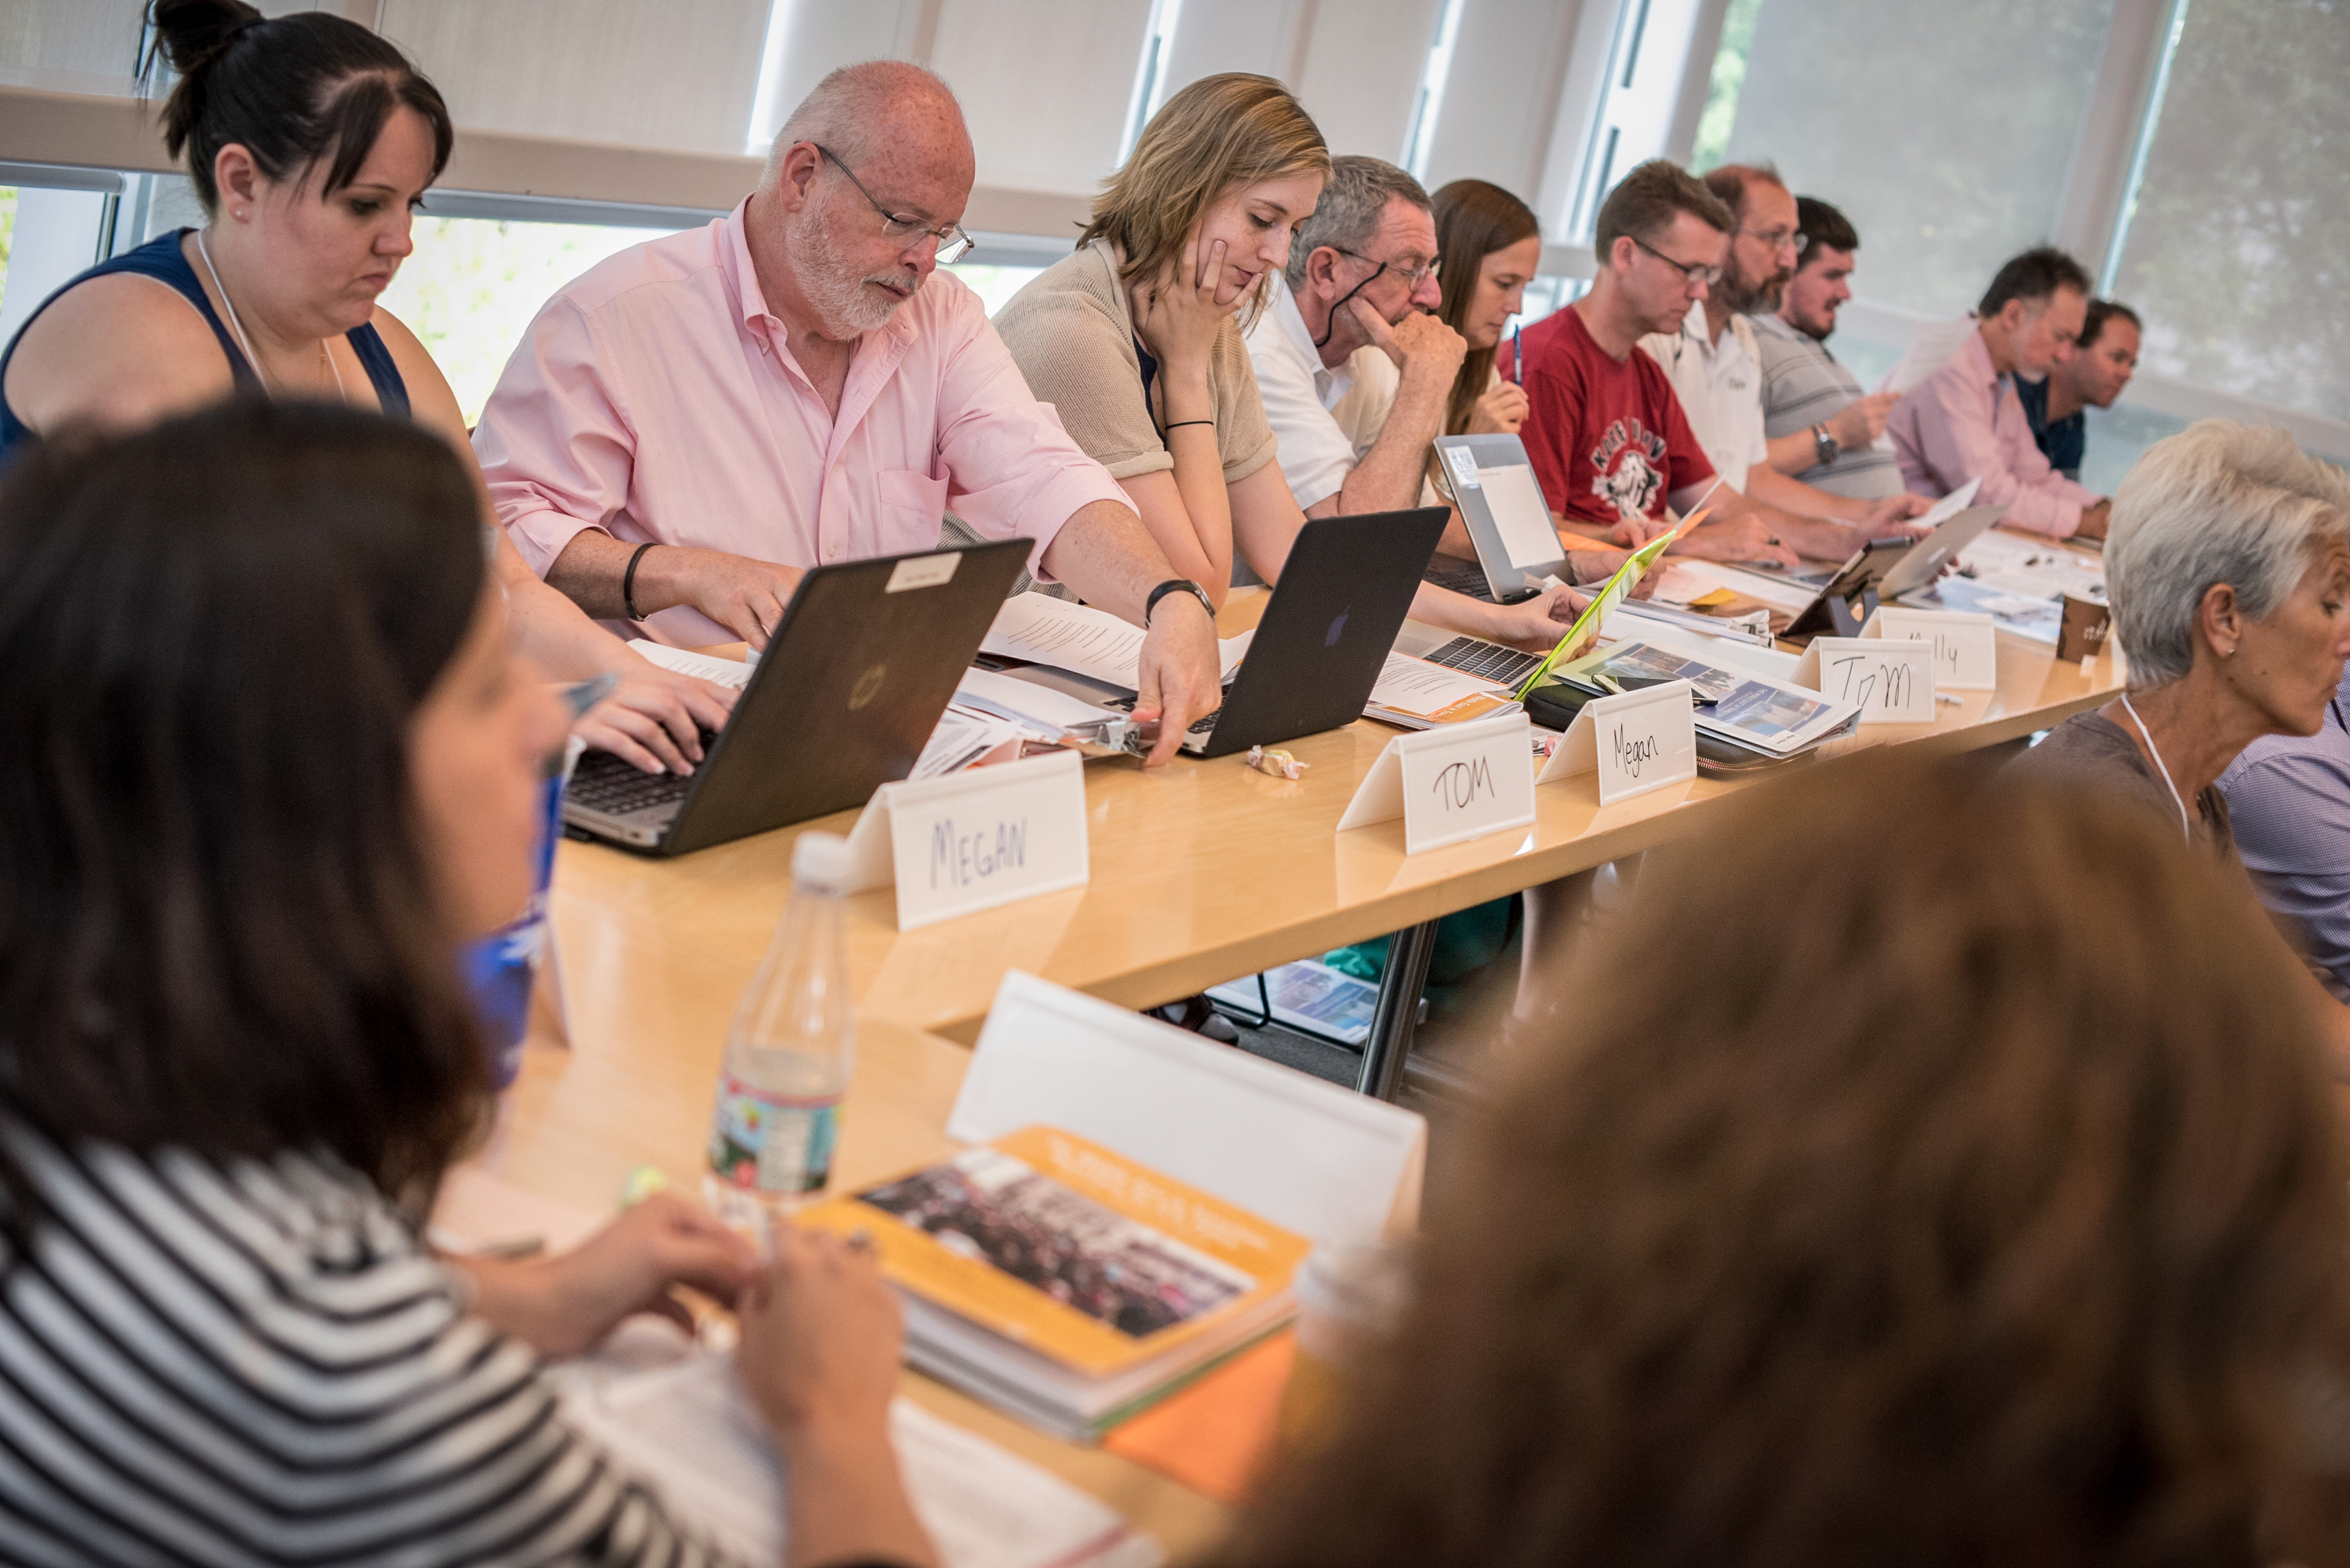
788 1054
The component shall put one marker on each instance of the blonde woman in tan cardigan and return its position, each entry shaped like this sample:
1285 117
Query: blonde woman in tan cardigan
1136 339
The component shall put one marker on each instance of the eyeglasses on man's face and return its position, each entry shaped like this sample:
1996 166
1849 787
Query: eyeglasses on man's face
1778 239
898 227
1414 275
1695 272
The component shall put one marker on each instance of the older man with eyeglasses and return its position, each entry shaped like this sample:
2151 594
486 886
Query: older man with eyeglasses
1715 360
694 422
1360 283
1611 439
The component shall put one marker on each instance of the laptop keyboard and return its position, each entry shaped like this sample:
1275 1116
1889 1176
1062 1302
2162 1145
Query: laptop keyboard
1461 577
1501 666
602 782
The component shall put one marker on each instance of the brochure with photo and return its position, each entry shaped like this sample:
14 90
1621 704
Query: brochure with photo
1059 1245
1751 709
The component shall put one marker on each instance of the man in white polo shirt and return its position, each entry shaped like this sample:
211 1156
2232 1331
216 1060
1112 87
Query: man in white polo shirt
1361 280
1716 367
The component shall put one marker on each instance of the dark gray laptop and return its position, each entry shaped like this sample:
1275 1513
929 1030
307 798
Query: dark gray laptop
853 681
1321 643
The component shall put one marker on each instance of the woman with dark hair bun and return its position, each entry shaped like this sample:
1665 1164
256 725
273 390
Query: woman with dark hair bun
270 760
1992 1212
309 141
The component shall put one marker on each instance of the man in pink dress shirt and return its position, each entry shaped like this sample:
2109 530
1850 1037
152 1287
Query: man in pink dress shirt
1965 420
790 387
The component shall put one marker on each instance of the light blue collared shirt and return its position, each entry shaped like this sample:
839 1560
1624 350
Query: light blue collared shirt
2289 800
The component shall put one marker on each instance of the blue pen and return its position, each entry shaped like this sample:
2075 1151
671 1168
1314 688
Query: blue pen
1517 356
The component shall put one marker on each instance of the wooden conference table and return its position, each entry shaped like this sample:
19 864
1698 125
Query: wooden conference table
1201 871
633 1088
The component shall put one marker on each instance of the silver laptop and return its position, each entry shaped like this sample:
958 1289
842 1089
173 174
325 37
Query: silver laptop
1494 489
1925 559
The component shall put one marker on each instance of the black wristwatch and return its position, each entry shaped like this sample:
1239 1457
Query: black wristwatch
1825 445
1178 586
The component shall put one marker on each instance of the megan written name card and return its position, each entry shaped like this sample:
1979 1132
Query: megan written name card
975 839
1891 682
1638 742
1966 646
1450 784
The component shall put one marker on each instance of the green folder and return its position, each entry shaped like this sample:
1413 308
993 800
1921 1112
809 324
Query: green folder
1608 597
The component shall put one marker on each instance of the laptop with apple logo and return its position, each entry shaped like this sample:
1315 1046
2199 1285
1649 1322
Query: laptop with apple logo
1324 635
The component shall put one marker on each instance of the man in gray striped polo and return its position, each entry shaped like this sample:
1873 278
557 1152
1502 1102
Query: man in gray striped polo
1806 390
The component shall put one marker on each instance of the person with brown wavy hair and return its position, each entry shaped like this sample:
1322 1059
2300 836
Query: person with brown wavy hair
1993 1211
1136 339
1491 242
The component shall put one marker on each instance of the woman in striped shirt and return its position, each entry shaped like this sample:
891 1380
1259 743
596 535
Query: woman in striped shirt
268 759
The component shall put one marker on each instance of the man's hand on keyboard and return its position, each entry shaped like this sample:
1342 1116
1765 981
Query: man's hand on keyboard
654 718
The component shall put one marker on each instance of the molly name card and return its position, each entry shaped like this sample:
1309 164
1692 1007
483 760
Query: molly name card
974 839
1641 741
1966 646
1890 681
1452 783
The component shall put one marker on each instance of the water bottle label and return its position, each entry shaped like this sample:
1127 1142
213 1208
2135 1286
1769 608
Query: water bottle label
775 1143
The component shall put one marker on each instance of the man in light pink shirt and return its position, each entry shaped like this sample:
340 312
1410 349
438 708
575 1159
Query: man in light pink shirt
695 422
1965 420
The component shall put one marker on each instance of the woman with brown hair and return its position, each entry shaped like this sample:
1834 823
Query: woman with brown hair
1991 1212
1136 339
1491 242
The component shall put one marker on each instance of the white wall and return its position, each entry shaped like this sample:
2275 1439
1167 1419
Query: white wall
679 74
1501 95
1044 84
1361 71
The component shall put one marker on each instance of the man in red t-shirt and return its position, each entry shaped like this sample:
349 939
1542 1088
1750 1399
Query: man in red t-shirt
1604 429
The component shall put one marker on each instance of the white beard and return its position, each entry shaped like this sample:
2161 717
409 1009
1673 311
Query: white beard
839 297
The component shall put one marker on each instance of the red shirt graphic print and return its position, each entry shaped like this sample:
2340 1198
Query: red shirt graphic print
1608 438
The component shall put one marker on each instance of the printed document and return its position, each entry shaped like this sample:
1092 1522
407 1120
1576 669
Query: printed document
688 1430
1092 642
729 672
1416 693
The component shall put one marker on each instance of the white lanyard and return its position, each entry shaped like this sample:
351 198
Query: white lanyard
246 343
2153 752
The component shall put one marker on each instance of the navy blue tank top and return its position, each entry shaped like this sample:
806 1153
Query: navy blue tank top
161 258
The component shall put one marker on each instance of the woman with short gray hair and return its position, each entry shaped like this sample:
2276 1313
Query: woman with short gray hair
2228 566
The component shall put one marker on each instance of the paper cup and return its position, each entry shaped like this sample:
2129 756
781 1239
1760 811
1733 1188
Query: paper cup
2082 635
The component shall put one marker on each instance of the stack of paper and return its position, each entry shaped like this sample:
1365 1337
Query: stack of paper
1417 695
1736 702
688 1431
730 672
2020 583
1043 629
1069 1285
964 737
1250 1161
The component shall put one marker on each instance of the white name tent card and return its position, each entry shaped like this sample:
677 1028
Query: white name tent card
1641 741
1891 682
973 840
1450 784
1311 1157
1966 646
